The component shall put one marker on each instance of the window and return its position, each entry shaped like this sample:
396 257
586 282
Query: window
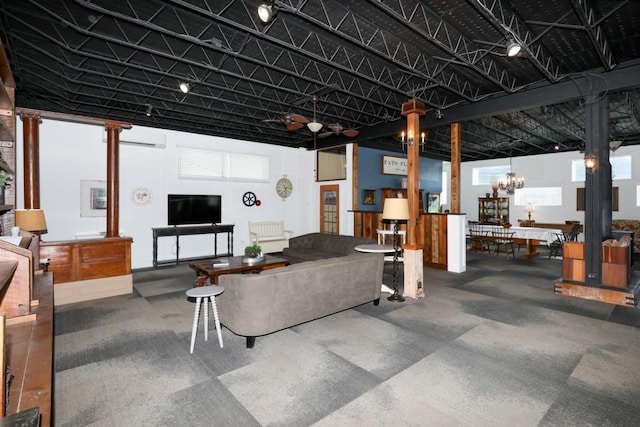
538 196
620 168
217 165
445 188
487 174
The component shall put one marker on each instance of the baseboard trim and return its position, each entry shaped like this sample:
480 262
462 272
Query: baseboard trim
87 290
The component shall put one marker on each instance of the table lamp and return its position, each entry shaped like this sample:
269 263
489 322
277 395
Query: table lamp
528 209
395 211
31 220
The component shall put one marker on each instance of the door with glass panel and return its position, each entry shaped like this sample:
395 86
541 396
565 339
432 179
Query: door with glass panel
329 209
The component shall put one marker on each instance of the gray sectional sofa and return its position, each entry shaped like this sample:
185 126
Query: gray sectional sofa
314 246
259 304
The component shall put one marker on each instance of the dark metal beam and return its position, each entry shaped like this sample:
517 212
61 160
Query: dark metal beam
626 75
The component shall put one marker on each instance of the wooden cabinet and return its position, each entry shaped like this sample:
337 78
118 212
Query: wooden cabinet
493 210
616 266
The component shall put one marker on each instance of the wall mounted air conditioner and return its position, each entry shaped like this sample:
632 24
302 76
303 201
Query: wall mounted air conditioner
140 139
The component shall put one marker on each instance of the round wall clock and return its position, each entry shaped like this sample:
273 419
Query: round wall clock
141 196
284 187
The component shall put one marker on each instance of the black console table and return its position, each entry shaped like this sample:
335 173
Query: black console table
189 231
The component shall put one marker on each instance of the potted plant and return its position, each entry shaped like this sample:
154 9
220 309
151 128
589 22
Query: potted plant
5 179
253 251
252 254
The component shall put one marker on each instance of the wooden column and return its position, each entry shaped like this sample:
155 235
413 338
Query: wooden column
113 152
456 142
31 162
413 263
413 110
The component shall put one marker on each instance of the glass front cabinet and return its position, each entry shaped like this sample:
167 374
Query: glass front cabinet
493 210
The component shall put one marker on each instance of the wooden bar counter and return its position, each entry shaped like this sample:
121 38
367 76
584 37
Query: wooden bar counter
431 234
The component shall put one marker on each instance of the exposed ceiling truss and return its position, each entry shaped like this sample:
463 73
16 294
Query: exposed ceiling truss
362 59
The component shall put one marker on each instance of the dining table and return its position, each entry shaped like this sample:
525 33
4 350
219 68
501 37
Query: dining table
529 237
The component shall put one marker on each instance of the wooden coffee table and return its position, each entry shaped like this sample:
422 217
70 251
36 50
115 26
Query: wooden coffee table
206 268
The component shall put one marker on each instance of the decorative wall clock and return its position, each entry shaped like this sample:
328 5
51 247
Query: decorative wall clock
284 187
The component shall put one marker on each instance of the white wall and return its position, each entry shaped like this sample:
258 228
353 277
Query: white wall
550 170
71 152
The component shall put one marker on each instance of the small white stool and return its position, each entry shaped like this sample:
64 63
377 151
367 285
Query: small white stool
208 293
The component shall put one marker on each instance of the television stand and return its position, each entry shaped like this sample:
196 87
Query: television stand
176 232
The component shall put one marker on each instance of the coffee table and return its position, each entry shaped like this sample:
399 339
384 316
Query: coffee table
206 268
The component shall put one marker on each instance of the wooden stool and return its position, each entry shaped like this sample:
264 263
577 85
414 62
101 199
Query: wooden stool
209 293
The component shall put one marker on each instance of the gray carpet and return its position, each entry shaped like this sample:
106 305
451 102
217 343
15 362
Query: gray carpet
489 347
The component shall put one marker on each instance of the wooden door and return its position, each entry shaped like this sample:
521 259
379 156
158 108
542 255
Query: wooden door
330 209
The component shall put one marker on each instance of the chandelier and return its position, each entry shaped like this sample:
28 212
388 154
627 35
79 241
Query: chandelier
511 183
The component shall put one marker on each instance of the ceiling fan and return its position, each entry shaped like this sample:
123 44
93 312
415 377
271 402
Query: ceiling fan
291 120
295 121
338 129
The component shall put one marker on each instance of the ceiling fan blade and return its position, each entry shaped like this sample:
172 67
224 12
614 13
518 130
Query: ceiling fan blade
350 132
324 134
273 121
299 118
295 126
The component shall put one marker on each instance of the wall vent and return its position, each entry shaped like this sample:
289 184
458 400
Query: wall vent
151 140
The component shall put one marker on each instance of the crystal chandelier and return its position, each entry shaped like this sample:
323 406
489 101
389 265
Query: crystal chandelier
511 183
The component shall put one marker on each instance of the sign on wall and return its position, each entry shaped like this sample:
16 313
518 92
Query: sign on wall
394 165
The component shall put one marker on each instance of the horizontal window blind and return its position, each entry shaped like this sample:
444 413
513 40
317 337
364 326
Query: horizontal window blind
216 165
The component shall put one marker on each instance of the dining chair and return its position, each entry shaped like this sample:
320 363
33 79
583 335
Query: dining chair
503 239
478 238
555 248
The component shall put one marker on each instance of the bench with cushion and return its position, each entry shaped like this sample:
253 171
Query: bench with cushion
271 236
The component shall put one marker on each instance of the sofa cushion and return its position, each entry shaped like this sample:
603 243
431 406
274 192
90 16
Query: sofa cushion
313 246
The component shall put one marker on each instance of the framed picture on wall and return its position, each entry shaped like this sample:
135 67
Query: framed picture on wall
368 197
392 165
433 202
581 202
93 198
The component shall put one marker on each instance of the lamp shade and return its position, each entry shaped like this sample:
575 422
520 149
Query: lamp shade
396 209
314 126
31 219
528 208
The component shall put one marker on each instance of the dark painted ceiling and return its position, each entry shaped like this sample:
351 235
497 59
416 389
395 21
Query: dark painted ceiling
120 59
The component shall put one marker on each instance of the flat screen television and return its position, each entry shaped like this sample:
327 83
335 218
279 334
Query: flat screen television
194 209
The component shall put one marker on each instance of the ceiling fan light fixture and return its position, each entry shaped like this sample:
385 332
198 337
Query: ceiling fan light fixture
513 48
266 12
314 126
185 87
